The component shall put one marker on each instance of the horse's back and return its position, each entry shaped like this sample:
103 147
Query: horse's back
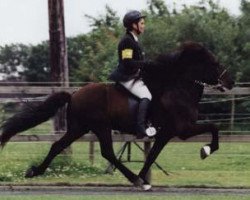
88 103
100 103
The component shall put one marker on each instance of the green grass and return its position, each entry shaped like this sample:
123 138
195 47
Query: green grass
44 128
127 197
229 167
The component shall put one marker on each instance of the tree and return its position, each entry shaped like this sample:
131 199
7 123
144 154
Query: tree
12 59
158 8
36 65
99 55
243 42
210 25
110 20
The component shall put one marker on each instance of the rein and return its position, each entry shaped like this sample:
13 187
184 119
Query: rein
222 73
219 85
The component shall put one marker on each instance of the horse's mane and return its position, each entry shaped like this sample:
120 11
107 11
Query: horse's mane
177 62
188 49
165 66
178 65
191 45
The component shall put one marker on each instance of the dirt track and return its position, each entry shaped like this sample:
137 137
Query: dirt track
117 190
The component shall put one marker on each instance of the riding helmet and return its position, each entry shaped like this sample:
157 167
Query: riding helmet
131 17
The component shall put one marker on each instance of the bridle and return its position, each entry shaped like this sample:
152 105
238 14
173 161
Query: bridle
222 73
219 86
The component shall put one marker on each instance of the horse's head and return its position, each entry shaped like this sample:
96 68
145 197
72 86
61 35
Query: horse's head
201 65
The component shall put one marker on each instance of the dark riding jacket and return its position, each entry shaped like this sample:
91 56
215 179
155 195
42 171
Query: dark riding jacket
130 59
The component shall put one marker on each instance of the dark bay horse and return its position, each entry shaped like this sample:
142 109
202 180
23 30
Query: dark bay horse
176 81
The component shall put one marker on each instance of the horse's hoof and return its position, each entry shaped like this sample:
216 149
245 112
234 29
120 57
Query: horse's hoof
146 187
138 183
205 152
30 172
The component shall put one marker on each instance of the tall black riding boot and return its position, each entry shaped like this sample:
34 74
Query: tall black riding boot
141 118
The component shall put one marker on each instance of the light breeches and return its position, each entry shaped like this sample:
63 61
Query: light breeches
138 88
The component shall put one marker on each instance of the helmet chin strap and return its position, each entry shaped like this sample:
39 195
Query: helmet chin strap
137 30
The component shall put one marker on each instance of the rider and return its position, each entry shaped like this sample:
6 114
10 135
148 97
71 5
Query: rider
130 63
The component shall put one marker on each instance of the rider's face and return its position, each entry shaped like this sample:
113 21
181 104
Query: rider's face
140 26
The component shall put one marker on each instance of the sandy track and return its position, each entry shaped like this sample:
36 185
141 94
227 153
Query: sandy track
117 190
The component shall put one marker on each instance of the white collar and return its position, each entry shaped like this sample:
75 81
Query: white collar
135 36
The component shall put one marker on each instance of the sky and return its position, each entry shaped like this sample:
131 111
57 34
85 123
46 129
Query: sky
26 21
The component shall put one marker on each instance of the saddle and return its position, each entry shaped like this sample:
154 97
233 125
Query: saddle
133 101
133 104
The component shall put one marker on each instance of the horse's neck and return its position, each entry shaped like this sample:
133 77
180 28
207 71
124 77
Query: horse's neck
200 90
187 90
156 89
194 88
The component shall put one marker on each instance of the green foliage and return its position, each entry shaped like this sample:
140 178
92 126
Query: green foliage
36 66
75 53
27 63
11 59
243 42
64 166
109 20
198 24
158 8
99 56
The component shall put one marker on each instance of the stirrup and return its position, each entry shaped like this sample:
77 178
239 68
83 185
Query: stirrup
151 131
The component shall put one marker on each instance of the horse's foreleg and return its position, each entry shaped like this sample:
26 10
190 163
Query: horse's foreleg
107 151
158 145
56 148
198 129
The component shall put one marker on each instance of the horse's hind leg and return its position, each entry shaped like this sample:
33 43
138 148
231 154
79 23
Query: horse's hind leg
107 151
56 148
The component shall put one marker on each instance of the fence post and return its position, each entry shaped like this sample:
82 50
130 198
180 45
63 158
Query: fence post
58 57
91 152
147 147
129 152
232 114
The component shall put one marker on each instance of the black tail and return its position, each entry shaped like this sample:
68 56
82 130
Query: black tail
32 116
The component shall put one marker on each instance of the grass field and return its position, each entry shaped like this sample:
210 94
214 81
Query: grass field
229 167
